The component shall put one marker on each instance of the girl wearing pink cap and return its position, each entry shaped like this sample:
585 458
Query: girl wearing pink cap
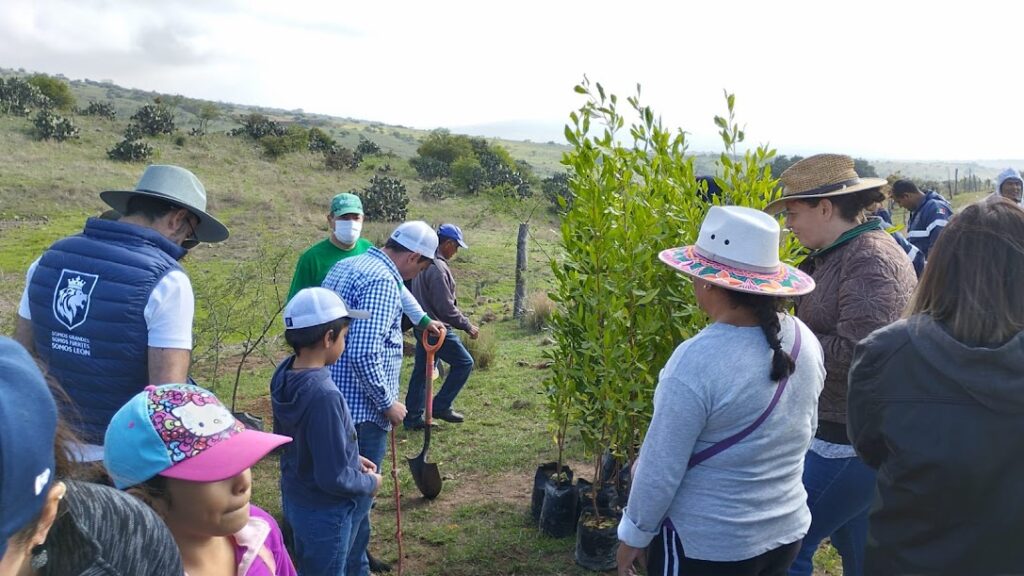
177 448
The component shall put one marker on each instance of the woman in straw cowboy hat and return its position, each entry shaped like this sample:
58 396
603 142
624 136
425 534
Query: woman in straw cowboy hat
864 281
937 407
717 488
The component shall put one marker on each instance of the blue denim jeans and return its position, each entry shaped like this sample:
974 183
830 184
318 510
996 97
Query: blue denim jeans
839 494
322 536
453 353
373 442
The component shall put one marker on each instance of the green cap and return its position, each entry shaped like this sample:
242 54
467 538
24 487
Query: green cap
346 204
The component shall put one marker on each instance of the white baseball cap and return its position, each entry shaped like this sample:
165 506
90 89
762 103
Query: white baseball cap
315 306
418 236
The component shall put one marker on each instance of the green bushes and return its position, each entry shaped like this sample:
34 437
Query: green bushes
130 150
437 190
154 119
620 312
294 139
50 126
340 158
473 164
319 141
385 199
20 98
100 109
56 91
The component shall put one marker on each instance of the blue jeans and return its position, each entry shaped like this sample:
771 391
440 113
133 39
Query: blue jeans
373 443
839 494
323 537
454 353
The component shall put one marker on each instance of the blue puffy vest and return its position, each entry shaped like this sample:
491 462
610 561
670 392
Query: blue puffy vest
87 296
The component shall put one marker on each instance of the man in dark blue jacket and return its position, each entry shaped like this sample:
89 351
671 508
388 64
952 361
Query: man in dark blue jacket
929 214
110 310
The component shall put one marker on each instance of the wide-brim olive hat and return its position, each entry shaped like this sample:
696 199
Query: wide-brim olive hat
178 186
821 176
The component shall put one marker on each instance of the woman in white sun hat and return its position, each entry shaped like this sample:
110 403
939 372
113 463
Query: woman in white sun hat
717 488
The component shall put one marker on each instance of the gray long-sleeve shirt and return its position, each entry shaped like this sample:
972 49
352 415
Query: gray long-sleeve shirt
434 288
750 498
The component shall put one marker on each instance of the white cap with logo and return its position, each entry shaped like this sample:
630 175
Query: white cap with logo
315 306
417 236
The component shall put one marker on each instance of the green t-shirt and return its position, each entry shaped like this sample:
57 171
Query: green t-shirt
315 263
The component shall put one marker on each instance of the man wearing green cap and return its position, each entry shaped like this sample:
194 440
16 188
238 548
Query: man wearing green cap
345 221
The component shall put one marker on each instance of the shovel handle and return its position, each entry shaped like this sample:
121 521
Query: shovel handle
431 348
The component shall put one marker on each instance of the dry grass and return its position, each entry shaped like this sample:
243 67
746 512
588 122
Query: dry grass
538 313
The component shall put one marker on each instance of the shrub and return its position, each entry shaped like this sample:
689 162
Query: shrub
385 199
620 312
179 140
468 175
154 119
367 147
340 158
256 126
556 190
294 139
50 126
483 349
20 98
319 141
101 109
437 190
429 168
130 150
55 89
539 312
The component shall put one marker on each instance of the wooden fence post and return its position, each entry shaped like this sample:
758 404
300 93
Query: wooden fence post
519 304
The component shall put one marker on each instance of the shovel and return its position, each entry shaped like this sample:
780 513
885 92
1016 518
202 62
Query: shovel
426 474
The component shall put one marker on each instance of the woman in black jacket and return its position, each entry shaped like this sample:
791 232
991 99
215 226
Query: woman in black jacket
936 405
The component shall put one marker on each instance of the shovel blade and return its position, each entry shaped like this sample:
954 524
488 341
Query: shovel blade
426 475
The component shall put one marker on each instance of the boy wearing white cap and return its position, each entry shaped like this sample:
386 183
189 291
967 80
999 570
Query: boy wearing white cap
322 472
367 374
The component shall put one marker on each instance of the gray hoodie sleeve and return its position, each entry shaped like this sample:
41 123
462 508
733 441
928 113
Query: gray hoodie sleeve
435 290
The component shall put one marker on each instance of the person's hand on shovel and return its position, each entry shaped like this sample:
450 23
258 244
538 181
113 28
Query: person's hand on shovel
435 327
396 413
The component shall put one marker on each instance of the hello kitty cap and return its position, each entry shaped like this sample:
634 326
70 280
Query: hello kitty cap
180 431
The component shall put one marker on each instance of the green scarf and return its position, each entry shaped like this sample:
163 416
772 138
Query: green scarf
873 223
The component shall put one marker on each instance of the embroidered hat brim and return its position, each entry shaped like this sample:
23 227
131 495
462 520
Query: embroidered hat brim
785 281
227 458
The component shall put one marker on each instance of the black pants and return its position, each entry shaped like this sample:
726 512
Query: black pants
665 557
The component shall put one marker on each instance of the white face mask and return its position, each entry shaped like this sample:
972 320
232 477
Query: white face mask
347 231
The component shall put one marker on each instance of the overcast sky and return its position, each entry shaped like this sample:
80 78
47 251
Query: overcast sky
893 79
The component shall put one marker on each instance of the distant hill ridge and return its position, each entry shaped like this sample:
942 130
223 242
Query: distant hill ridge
403 141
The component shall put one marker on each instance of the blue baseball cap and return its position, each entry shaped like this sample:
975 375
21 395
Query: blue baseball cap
452 231
28 426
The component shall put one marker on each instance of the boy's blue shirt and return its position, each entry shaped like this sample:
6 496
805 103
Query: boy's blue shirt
321 465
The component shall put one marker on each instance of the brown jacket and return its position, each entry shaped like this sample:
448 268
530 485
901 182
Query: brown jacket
862 285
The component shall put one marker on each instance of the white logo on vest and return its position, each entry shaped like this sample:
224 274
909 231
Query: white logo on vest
72 296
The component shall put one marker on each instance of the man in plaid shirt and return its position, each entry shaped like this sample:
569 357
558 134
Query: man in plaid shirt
367 373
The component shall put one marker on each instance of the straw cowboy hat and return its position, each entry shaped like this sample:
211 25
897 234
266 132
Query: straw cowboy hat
821 176
179 187
738 249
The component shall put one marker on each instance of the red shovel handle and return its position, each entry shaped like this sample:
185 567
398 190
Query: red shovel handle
431 348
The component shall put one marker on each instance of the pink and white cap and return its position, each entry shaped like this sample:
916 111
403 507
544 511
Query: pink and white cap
180 431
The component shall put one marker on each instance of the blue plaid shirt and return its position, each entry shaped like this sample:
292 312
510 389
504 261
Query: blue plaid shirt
367 373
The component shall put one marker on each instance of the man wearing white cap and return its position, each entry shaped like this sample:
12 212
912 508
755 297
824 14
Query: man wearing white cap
367 373
110 310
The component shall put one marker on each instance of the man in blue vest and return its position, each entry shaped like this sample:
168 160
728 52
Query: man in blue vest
109 311
929 214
